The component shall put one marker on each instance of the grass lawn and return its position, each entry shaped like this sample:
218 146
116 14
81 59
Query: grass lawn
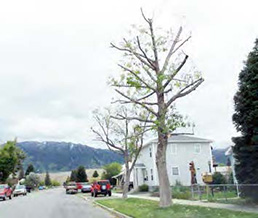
140 208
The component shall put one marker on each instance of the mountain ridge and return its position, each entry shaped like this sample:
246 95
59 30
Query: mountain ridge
65 156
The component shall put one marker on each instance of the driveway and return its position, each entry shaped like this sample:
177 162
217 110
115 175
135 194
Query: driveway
53 203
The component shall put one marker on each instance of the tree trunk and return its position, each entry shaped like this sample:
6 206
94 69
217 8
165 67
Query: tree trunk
164 185
126 177
161 162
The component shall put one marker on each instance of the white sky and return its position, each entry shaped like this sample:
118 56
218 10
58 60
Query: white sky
55 60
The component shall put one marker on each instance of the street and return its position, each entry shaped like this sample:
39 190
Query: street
53 203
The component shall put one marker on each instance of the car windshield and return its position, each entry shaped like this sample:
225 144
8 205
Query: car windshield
2 186
20 187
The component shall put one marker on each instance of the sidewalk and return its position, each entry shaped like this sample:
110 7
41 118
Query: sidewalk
233 207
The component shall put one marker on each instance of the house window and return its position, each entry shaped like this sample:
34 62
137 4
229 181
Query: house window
174 149
197 148
151 172
150 152
175 171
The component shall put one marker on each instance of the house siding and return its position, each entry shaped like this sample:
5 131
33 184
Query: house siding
185 153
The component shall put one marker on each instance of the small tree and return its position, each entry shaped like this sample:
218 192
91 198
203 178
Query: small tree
81 174
29 170
47 179
152 79
111 170
122 134
11 158
73 176
95 174
32 180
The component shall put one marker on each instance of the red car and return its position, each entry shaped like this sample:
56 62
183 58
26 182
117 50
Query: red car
5 192
101 187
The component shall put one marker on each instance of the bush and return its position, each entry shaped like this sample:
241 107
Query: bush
143 188
55 183
181 192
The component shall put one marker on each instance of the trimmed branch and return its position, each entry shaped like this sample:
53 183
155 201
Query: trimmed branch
139 78
191 87
176 72
137 102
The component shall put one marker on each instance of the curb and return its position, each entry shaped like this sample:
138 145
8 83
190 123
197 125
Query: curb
111 210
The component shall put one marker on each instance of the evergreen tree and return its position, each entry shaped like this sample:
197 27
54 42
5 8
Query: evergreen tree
245 119
81 174
30 169
95 174
47 180
73 176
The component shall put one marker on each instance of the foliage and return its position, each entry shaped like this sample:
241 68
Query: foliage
55 183
32 180
10 159
144 188
218 178
181 192
95 174
140 208
30 169
111 170
47 180
245 119
81 175
73 176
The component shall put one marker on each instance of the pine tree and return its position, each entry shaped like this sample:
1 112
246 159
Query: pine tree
95 174
245 119
73 176
81 174
47 180
30 169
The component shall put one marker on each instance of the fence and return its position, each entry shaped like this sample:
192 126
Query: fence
214 192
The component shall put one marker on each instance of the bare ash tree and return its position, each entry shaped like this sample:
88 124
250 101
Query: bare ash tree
122 134
155 74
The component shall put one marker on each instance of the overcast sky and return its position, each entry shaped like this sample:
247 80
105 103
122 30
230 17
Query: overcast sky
55 60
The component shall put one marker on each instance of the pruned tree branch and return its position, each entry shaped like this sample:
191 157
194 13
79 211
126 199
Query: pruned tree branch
137 102
191 87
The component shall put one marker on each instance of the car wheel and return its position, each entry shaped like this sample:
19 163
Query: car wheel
4 198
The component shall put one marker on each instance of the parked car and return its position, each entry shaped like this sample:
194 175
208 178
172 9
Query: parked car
19 190
101 187
5 192
86 187
71 188
79 185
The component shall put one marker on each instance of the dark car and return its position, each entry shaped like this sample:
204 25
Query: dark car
101 187
5 192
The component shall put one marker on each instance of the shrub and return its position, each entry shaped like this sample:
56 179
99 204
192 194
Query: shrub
143 188
55 183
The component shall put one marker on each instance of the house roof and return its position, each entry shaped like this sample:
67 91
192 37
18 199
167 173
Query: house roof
175 138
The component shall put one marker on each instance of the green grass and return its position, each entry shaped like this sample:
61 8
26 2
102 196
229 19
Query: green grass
140 208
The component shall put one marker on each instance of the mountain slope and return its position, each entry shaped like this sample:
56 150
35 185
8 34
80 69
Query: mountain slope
62 156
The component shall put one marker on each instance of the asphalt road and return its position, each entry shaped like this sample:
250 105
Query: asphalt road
52 203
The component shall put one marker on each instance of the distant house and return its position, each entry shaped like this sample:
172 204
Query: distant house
181 150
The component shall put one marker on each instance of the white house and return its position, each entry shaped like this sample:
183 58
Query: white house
181 150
